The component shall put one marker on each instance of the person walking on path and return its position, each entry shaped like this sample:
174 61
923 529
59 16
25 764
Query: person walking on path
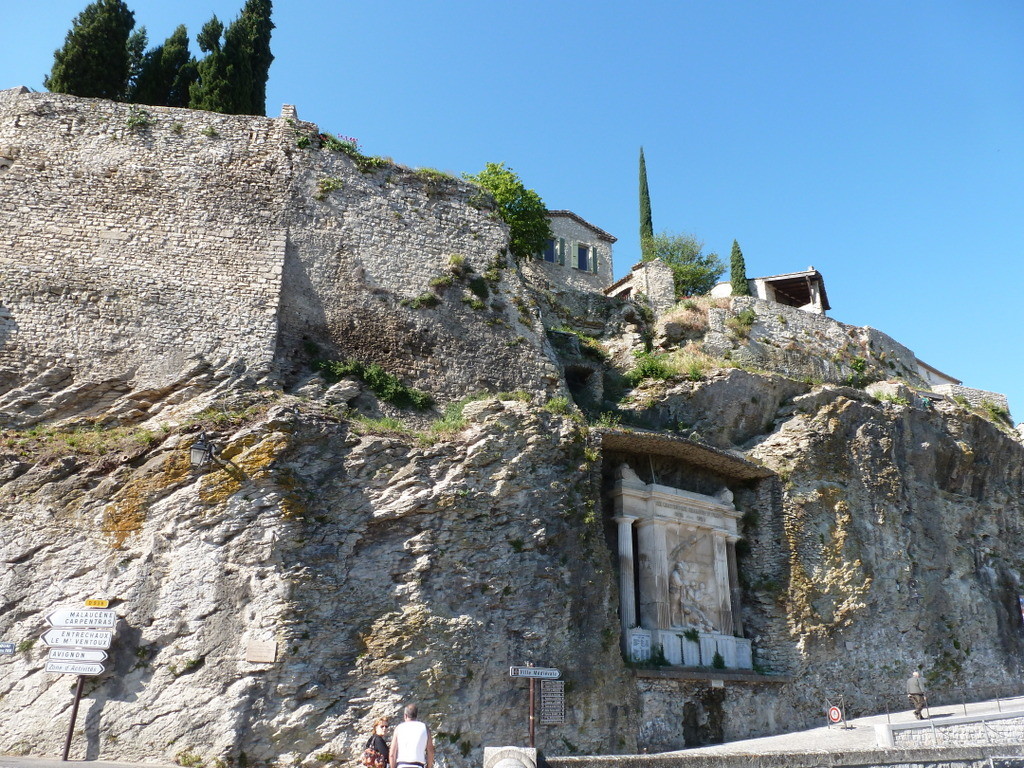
412 744
915 692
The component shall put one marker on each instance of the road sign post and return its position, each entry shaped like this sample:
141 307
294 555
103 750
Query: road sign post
74 716
533 674
78 640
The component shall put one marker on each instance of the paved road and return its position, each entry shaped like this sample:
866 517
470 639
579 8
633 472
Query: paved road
43 762
860 735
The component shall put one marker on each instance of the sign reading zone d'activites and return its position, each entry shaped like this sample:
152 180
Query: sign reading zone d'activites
74 668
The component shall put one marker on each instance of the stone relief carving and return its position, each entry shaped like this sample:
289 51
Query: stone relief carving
688 593
626 473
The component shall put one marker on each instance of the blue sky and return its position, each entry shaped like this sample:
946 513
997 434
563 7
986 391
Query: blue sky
880 141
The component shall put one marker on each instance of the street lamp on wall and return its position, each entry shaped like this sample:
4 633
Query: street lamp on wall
201 452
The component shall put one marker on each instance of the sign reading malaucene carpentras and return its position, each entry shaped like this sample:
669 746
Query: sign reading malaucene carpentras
78 639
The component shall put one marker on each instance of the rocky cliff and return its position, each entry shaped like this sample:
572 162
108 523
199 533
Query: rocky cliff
387 552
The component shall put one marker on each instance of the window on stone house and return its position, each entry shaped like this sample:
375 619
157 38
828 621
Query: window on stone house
584 255
548 254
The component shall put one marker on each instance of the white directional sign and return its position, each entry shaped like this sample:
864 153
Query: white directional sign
76 654
547 673
73 668
79 638
85 618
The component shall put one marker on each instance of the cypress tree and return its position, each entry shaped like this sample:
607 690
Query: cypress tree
232 78
738 272
95 59
166 73
646 223
211 90
254 28
137 42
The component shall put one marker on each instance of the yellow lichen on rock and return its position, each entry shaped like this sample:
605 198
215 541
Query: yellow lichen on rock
249 459
126 512
827 586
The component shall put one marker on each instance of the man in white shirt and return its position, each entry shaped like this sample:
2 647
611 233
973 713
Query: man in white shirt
412 744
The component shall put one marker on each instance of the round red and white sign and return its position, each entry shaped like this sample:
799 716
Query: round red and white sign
835 714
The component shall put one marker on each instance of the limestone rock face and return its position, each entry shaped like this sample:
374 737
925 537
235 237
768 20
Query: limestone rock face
341 556
903 538
727 409
384 571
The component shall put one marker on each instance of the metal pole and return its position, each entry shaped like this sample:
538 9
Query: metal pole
74 716
532 745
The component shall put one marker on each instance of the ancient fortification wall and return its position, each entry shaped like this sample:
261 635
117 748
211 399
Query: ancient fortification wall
409 270
138 241
134 240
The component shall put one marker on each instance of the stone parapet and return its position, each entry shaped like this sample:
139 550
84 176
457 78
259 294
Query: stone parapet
1004 728
976 397
972 757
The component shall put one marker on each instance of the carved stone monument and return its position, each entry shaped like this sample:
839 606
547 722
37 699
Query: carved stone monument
685 564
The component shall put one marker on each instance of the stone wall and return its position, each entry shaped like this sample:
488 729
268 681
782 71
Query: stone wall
976 397
805 345
140 241
409 271
1006 728
135 240
973 757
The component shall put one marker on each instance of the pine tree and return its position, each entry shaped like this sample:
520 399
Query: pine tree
738 272
94 61
646 223
166 73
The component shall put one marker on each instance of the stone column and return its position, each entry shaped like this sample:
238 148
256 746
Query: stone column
722 584
734 588
627 591
653 561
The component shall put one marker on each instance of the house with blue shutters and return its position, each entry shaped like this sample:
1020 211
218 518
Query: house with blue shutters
578 254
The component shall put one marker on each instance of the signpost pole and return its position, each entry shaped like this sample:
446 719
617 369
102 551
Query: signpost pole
532 684
74 715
